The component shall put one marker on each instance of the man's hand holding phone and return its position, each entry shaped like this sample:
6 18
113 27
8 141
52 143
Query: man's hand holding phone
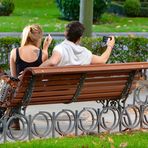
109 41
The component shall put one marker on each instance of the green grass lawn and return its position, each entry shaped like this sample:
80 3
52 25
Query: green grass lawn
45 13
115 23
126 140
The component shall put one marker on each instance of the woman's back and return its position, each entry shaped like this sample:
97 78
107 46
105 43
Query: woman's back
27 56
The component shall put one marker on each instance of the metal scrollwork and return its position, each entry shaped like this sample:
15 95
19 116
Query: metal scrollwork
91 118
88 120
108 102
144 115
130 116
114 122
70 119
43 117
137 95
120 101
17 134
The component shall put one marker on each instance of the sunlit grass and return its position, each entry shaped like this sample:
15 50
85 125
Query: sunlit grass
124 140
46 13
42 12
114 23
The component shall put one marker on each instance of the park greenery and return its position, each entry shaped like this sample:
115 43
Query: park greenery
105 140
6 7
126 49
131 8
70 8
47 14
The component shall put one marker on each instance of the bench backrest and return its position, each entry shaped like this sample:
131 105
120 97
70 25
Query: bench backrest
76 83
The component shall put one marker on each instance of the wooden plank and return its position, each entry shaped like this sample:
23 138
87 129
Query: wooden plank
99 95
101 89
54 93
95 67
109 73
58 76
53 83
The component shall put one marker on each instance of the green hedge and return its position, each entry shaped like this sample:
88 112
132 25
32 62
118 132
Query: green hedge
116 8
70 8
6 44
6 7
126 49
132 7
144 4
143 12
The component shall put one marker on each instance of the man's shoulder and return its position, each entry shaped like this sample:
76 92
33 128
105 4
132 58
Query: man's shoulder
60 45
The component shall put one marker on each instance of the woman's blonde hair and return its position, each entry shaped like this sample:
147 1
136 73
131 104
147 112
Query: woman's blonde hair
32 34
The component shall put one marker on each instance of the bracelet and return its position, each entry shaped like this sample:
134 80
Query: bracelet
110 46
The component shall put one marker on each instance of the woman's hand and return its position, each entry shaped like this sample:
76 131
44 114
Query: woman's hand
47 42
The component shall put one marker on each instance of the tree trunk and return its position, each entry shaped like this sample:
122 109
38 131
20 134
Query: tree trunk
86 16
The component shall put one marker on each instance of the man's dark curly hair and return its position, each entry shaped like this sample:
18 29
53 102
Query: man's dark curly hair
74 31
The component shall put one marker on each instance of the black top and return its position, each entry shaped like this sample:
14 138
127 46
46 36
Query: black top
21 64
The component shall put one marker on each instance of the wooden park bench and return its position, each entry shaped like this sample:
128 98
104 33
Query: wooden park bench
109 84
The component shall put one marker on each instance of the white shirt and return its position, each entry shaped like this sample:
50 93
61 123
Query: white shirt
73 54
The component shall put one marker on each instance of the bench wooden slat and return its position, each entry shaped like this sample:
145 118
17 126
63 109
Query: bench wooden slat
72 91
68 86
68 97
87 89
87 68
64 86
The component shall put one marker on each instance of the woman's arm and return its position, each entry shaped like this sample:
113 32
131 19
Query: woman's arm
13 63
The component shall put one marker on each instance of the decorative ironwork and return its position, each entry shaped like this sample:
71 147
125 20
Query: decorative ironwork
79 87
144 116
28 92
108 102
115 121
93 122
137 97
120 102
126 89
128 121
86 121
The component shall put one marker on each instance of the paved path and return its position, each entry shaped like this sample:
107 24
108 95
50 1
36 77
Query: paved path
59 35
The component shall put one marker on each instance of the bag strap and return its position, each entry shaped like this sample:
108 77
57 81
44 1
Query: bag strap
14 78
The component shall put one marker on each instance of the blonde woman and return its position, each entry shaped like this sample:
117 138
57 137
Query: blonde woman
29 54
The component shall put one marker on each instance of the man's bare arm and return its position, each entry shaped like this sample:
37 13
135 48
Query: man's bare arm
53 60
105 56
